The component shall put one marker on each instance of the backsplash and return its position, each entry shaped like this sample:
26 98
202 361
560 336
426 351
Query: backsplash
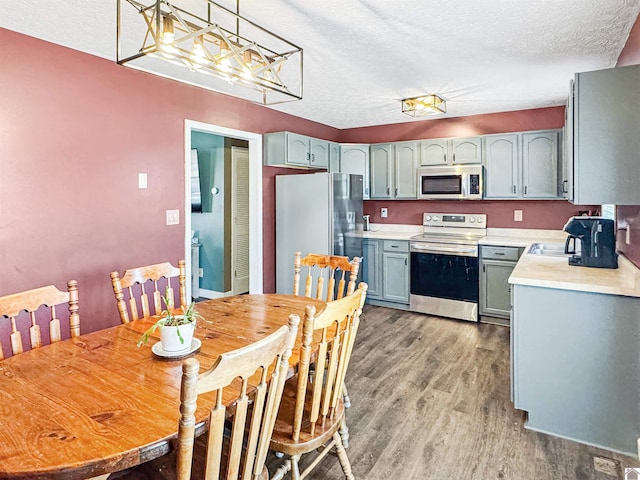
548 214
628 216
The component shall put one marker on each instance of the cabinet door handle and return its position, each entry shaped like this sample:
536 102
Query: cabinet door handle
454 158
484 269
513 188
499 254
565 183
308 156
388 191
313 158
445 158
525 189
396 191
405 261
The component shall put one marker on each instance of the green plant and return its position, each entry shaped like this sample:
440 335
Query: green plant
169 319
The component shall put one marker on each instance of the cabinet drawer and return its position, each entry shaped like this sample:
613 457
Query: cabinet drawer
395 246
501 253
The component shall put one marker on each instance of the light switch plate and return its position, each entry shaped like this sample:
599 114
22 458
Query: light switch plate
173 217
383 212
517 215
142 180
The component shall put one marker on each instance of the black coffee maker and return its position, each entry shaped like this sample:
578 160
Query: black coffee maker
598 241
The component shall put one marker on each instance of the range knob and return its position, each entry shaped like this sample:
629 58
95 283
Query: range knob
427 218
480 219
472 219
436 218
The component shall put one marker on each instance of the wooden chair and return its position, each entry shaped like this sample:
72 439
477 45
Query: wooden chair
148 279
327 267
31 301
236 445
312 412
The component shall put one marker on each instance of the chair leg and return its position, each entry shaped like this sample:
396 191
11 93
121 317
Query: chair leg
344 433
295 469
282 470
342 457
345 396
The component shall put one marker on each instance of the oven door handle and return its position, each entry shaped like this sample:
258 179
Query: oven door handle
427 248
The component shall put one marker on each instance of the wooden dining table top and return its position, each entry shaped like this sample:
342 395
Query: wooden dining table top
97 403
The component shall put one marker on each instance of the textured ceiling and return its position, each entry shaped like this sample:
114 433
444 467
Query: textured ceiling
362 57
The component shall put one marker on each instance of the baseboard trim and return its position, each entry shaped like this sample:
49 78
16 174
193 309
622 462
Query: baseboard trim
212 294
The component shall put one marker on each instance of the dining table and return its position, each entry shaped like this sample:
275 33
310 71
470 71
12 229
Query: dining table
98 403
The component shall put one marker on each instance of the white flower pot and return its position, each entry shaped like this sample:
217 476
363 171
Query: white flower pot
170 339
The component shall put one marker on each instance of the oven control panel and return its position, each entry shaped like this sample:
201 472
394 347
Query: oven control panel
466 220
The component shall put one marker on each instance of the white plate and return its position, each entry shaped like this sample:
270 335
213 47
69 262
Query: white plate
195 346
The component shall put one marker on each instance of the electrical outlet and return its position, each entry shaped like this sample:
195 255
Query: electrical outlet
517 215
142 180
383 212
173 217
201 272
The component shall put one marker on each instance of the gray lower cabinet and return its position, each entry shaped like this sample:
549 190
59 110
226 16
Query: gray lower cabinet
371 268
576 368
386 271
496 265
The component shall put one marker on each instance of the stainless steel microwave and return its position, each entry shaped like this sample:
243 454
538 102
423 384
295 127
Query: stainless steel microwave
461 182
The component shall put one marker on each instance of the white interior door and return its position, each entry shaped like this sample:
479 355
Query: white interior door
240 223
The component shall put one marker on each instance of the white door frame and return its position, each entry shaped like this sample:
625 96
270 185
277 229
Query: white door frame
255 198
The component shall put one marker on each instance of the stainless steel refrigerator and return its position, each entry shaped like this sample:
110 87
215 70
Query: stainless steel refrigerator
316 213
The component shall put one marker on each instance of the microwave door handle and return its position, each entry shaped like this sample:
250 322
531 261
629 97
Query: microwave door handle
465 179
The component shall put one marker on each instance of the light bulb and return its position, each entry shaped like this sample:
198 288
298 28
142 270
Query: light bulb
198 57
167 47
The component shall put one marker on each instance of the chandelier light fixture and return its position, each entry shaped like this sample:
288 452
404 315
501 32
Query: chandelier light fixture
430 104
203 43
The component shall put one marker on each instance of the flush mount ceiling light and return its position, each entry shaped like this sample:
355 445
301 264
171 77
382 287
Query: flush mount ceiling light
430 104
213 47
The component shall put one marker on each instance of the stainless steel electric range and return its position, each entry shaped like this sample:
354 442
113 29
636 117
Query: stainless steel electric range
444 265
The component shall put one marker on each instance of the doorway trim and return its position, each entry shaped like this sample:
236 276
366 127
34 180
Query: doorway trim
255 197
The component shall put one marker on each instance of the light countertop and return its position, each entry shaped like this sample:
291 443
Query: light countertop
539 270
555 272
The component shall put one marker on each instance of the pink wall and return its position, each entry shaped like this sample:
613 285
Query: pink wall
536 119
630 214
75 130
546 214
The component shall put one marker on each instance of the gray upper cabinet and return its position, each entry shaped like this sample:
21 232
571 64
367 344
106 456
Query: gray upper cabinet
501 166
293 150
605 136
540 165
522 165
393 170
457 151
406 164
297 152
433 152
334 157
354 159
382 170
319 150
466 150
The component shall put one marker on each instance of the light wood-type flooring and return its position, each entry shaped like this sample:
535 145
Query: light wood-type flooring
431 401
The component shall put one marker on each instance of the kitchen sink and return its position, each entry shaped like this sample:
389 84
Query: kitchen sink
548 249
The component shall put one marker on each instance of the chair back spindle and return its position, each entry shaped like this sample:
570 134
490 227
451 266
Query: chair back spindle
137 281
335 332
327 267
31 301
242 453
